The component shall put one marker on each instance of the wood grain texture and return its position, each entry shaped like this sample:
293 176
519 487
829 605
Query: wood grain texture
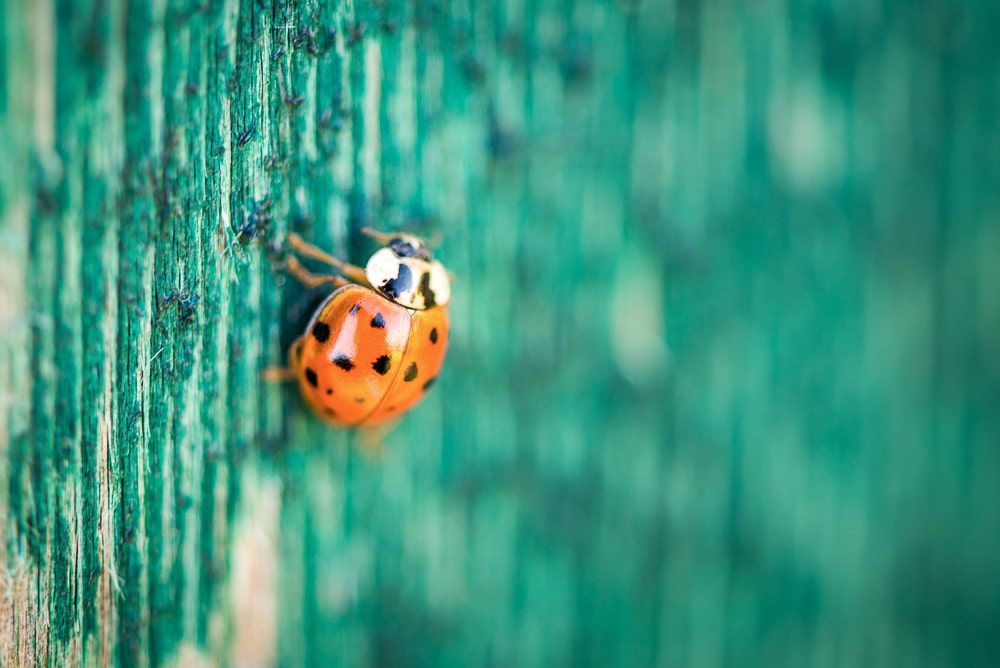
724 372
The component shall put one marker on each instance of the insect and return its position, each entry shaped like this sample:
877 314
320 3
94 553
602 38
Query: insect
375 346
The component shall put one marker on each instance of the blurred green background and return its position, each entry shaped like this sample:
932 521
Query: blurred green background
724 378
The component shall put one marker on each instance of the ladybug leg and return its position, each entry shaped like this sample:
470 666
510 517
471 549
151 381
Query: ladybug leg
277 374
306 277
284 374
300 246
370 442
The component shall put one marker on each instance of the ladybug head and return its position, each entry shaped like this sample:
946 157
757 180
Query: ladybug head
406 272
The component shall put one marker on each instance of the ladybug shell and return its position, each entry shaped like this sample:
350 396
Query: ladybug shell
366 359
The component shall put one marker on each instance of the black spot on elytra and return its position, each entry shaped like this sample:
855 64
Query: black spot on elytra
329 411
311 377
359 400
382 365
355 308
397 286
329 390
428 384
378 321
434 335
343 362
321 331
411 372
425 290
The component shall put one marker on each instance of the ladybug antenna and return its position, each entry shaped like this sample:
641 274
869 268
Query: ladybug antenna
386 238
381 237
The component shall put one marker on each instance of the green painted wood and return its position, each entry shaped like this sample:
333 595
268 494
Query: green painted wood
724 375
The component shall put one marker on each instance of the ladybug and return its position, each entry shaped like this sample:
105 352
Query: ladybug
375 346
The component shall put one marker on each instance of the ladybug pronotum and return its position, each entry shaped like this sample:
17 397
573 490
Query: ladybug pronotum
375 346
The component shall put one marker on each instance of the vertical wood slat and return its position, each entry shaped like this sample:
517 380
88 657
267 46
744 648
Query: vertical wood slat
723 369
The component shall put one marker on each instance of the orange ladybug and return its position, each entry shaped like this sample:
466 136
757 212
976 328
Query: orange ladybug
375 346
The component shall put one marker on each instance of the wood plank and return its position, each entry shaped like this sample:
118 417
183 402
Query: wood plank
723 376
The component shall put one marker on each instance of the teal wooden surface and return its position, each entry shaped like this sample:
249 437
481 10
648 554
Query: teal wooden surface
724 376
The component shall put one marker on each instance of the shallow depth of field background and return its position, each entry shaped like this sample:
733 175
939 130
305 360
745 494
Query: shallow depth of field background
724 377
